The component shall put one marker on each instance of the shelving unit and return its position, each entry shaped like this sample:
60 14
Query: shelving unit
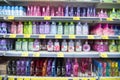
92 54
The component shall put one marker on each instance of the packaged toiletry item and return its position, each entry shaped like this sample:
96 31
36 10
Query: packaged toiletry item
44 45
29 27
30 45
41 28
66 29
13 28
44 68
75 68
36 45
56 46
71 46
25 28
85 29
50 45
4 28
20 28
71 28
79 29
113 14
60 28
68 68
78 46
25 45
18 45
34 28
63 68
113 46
49 67
54 67
64 46
47 28
59 71
66 11
53 28
86 46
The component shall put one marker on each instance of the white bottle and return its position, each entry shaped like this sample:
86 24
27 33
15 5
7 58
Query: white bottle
64 46
50 45
79 28
71 46
53 28
78 45
85 29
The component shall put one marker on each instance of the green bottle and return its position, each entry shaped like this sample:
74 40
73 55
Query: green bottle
119 46
66 28
25 30
113 46
71 28
60 28
25 45
29 27
108 69
18 45
113 13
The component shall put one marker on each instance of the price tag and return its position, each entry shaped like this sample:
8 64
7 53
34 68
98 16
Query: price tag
118 1
58 36
0 77
76 78
47 18
10 78
118 37
24 54
64 78
26 78
35 78
12 36
103 55
36 54
43 36
108 1
27 35
60 54
84 79
76 18
92 79
91 37
71 36
19 78
104 37
10 17
109 19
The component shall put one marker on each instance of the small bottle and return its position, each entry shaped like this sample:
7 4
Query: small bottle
50 45
78 45
18 45
71 46
36 45
86 47
64 46
20 28
56 46
44 45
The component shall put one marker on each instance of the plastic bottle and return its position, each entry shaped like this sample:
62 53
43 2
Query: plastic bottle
49 67
48 10
44 68
4 28
71 28
36 45
34 11
64 46
71 46
21 11
18 45
44 45
30 45
113 14
75 68
86 47
50 45
119 46
63 68
78 11
66 29
25 28
53 28
113 46
54 67
56 46
28 10
20 28
68 68
85 29
12 10
41 28
25 45
34 28
47 28
16 11
38 11
71 11
29 27
59 67
79 28
3 44
60 28
66 11
8 10
13 28
78 45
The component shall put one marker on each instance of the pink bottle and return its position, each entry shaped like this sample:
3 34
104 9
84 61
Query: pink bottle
43 11
111 30
75 68
34 11
38 11
20 28
48 11
106 30
86 47
13 28
106 45
53 11
28 11
98 30
100 47
56 46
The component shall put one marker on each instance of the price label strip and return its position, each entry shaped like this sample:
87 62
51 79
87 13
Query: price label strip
25 54
47 18
104 37
60 54
103 55
27 35
92 78
11 78
84 78
58 36
42 36
108 1
12 36
0 77
91 37
26 78
36 54
11 17
109 19
72 36
76 18
20 78
76 78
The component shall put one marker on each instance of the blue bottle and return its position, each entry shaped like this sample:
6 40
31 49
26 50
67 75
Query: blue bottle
54 67
12 10
16 11
4 10
21 11
66 11
0 10
53 28
28 67
4 28
71 11
8 10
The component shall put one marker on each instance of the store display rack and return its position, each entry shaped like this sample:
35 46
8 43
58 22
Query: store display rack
97 3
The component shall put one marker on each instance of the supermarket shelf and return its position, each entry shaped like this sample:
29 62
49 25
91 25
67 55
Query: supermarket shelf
109 78
51 36
2 53
109 54
52 54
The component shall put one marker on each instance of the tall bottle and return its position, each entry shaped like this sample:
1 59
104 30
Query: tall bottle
30 45
78 45
54 67
53 28
68 68
25 30
47 28
25 45
13 28
66 29
20 28
36 45
85 29
60 28
79 28
41 28
50 45
64 46
29 27
4 28
56 46
71 28
113 46
71 46
18 45
75 68
34 28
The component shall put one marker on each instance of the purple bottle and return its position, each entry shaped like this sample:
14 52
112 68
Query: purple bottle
23 66
4 28
34 28
37 28
18 68
41 28
66 10
49 68
68 68
71 11
3 44
47 28
84 12
78 11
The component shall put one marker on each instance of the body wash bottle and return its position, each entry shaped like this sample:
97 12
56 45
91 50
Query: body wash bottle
112 46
